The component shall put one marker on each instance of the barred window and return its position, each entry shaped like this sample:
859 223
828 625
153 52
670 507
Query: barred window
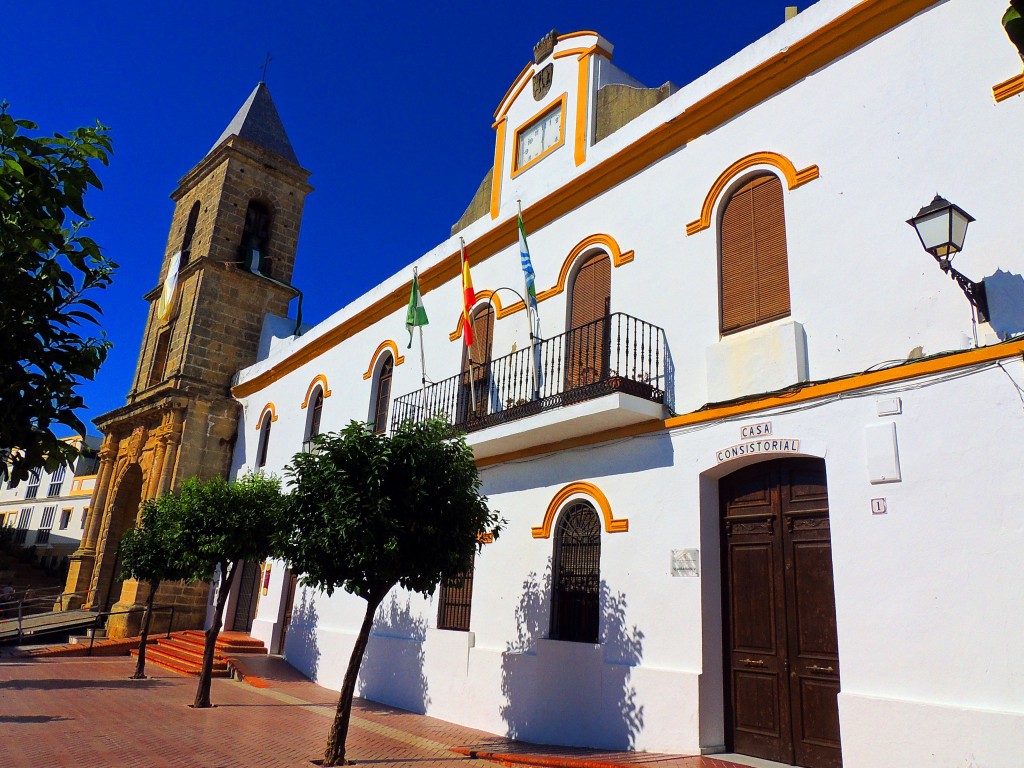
33 485
56 481
455 600
577 575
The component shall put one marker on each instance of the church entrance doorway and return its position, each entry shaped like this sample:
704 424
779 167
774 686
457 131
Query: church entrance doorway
779 617
124 512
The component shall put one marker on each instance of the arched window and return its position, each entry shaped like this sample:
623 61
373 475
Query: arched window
456 600
476 366
577 575
315 413
587 343
382 394
163 348
190 231
255 239
264 442
753 265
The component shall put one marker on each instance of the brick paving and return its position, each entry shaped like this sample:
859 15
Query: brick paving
86 712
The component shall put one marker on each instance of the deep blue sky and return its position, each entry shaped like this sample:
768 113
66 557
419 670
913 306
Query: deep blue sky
389 104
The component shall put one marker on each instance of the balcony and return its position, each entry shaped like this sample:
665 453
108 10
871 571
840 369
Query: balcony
605 374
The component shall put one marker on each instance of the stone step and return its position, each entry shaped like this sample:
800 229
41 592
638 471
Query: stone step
167 661
183 651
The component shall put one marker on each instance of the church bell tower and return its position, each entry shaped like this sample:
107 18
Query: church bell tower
227 264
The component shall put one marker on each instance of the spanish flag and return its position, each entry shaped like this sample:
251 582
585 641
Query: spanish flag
468 297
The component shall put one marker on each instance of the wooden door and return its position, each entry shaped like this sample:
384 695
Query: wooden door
781 648
587 341
289 608
476 367
248 597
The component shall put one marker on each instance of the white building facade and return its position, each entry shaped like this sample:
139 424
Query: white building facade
48 510
766 497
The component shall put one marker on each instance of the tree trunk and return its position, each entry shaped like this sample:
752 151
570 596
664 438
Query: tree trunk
206 675
335 752
140 666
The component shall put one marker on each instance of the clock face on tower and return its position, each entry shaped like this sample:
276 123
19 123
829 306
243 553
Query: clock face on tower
540 136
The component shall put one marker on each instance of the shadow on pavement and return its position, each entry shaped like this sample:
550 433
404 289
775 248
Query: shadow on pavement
56 684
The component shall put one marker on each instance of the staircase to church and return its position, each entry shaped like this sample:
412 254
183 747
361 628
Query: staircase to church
182 652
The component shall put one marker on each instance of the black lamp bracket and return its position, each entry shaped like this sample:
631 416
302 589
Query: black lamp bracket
975 292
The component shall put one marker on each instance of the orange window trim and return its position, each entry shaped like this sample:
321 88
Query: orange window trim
599 240
268 408
387 344
320 379
581 488
794 179
849 31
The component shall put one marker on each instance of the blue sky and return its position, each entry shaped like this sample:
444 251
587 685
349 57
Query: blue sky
389 104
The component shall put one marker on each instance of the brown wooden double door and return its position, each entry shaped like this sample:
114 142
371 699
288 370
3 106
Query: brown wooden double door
781 648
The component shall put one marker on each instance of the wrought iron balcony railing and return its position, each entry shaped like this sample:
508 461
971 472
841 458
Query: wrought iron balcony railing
617 353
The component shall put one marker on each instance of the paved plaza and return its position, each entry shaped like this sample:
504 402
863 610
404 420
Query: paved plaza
86 712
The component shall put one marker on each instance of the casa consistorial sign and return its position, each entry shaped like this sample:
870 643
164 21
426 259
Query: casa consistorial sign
753 447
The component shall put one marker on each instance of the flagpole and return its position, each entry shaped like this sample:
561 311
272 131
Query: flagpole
465 319
529 315
423 359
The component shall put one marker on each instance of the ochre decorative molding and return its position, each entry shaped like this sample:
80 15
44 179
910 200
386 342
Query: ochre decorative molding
582 488
498 169
268 408
1008 88
513 91
384 345
794 179
582 97
847 32
605 242
322 381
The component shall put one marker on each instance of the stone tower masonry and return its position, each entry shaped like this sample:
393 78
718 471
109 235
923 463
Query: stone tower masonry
228 263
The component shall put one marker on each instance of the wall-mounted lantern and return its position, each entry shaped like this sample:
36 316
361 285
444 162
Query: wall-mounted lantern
942 227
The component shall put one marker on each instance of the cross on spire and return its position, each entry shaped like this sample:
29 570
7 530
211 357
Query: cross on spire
266 63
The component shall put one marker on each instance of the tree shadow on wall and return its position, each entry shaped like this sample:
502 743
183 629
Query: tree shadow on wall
392 668
571 693
300 643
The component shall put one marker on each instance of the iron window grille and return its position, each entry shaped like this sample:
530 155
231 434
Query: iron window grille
456 601
577 575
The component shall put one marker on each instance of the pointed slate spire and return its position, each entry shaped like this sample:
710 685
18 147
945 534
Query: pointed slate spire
257 121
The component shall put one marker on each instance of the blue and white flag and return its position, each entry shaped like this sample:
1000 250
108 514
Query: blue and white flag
524 255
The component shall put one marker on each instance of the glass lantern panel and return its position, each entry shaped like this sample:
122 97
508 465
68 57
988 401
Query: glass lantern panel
933 229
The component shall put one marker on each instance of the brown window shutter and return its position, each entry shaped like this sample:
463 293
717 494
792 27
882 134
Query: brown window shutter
754 270
483 335
591 291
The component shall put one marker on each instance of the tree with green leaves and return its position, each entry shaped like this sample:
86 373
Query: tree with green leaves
221 524
153 552
47 266
368 512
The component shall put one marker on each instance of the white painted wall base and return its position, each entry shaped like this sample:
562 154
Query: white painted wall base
911 734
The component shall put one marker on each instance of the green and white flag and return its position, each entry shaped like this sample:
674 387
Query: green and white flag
416 314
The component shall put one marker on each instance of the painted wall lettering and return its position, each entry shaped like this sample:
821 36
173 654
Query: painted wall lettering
761 429
775 445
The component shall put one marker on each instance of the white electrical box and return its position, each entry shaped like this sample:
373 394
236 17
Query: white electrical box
883 453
